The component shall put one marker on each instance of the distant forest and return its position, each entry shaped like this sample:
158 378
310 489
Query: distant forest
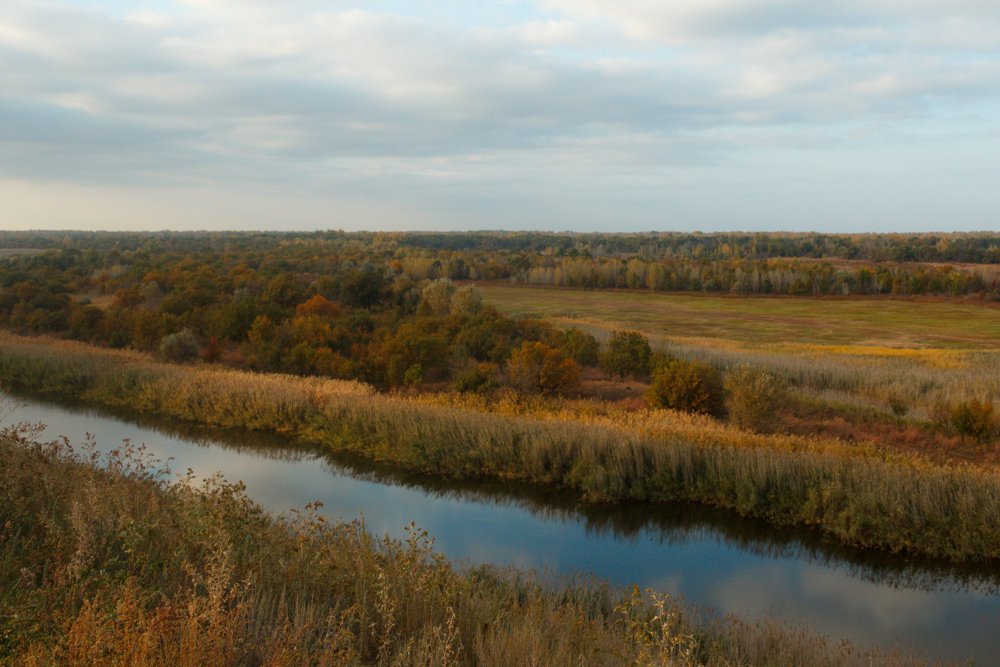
398 310
761 263
970 248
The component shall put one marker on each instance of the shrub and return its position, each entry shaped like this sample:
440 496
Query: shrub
973 418
752 396
581 346
180 347
538 368
898 406
689 386
479 380
628 353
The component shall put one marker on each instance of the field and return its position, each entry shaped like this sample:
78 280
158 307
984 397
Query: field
865 353
763 322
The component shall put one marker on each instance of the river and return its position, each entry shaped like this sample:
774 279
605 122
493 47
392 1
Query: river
712 558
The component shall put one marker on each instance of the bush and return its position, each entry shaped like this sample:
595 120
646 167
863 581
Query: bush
180 347
628 353
581 346
898 406
480 380
752 396
538 368
971 418
689 386
974 418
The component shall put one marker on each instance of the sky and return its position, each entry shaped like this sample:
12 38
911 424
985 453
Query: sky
578 115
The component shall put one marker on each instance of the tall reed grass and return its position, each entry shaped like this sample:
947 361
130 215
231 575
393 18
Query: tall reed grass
858 495
101 563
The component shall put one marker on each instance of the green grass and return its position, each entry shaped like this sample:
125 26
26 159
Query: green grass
764 320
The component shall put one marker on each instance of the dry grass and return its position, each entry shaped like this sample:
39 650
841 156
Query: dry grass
104 565
868 352
859 495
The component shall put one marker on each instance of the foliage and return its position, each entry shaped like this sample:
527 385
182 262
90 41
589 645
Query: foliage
436 297
972 418
581 346
753 395
627 353
538 368
180 347
363 289
688 386
480 380
466 302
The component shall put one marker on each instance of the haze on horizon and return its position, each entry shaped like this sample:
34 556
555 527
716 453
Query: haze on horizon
584 115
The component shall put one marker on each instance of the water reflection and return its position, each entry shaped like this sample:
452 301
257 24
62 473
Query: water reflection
712 557
666 524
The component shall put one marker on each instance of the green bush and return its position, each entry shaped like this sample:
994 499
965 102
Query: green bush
689 386
581 346
752 396
628 353
898 406
180 347
480 380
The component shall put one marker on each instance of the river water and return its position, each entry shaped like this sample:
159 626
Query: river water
712 558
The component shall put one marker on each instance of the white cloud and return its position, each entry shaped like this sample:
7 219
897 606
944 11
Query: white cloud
306 92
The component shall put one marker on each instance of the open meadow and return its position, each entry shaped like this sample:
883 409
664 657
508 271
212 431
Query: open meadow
762 322
866 352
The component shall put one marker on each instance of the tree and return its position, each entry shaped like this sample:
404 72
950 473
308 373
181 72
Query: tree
627 353
180 347
363 289
414 353
436 297
753 396
538 368
466 302
581 346
319 306
689 386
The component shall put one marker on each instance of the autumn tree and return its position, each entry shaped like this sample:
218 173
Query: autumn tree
689 386
538 368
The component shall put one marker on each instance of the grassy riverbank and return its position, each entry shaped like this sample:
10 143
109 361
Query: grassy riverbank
860 496
102 563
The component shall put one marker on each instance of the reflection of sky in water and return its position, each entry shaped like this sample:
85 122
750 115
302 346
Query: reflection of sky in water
707 570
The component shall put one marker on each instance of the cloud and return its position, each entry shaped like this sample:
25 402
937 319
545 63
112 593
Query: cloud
565 96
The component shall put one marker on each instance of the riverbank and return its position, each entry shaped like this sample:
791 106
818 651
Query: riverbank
103 563
857 495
